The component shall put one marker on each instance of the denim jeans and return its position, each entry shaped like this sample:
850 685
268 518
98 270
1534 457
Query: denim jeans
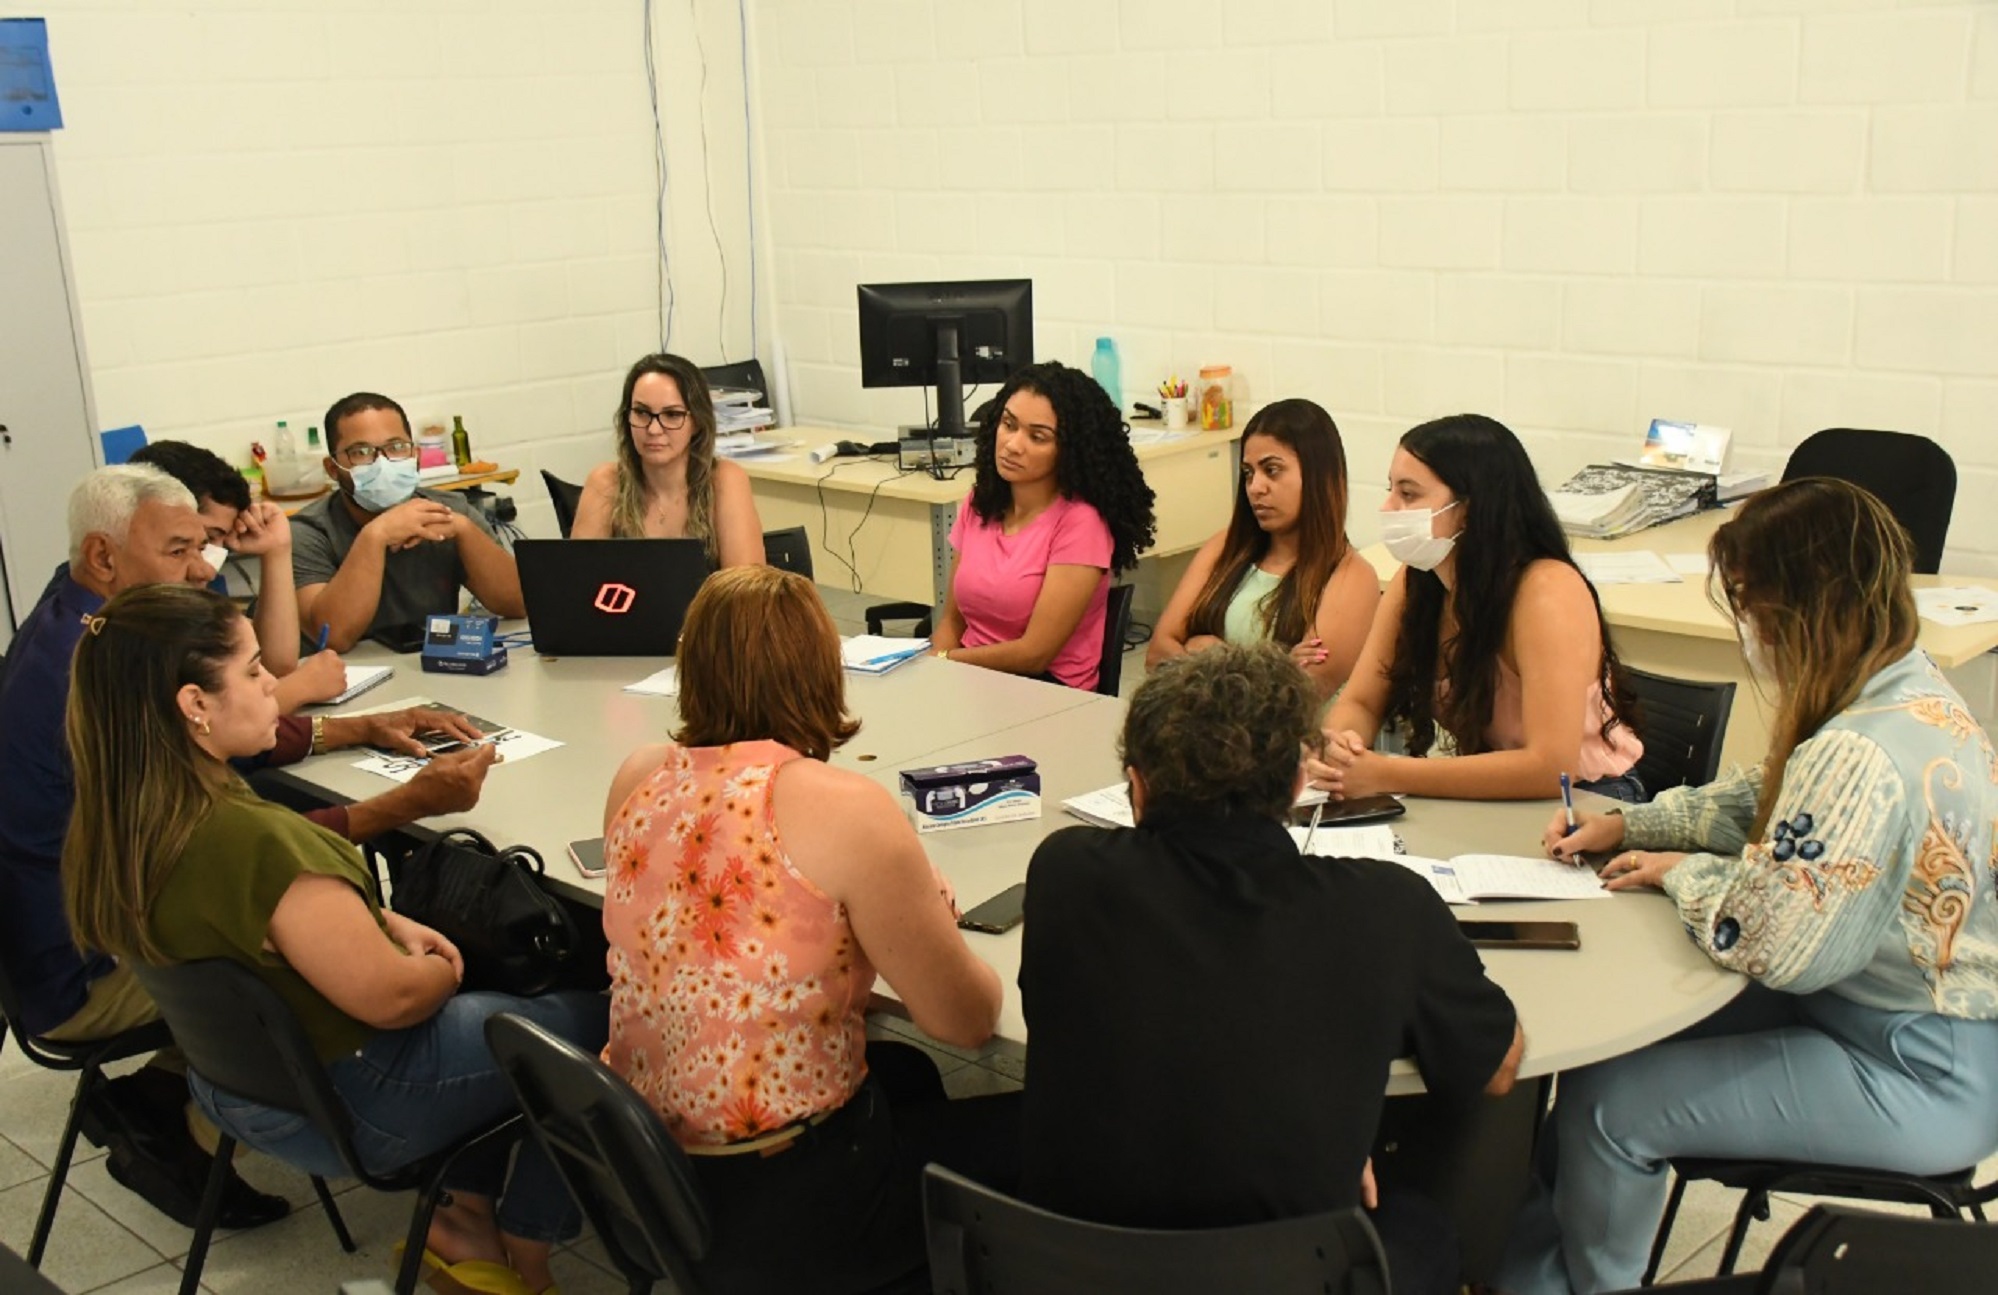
416 1091
1626 787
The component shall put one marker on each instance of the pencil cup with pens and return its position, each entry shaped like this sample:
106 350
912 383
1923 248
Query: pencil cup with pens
1172 400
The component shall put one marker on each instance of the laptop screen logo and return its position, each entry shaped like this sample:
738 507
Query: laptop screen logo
615 599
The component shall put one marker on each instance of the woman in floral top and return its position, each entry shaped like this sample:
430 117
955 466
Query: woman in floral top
1850 876
753 892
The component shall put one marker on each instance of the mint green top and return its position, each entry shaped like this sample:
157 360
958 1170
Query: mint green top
218 900
1242 623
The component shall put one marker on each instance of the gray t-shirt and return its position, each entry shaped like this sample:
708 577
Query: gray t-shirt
419 582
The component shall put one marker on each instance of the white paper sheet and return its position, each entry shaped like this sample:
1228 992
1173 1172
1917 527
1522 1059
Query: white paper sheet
1688 564
1362 841
1642 567
660 683
1958 604
514 746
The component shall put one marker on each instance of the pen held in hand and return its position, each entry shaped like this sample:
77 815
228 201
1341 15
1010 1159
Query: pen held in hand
1317 813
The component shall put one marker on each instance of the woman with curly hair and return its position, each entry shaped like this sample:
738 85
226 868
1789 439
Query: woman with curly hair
1057 508
1489 632
666 482
1847 875
1283 571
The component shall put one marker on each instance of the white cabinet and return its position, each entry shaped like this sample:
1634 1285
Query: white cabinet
48 428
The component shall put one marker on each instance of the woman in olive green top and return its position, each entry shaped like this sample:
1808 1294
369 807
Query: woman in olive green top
1283 572
171 858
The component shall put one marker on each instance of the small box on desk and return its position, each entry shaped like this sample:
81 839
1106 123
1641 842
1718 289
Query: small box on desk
462 645
972 794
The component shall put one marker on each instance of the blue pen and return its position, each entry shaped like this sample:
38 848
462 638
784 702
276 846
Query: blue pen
1568 804
884 659
325 632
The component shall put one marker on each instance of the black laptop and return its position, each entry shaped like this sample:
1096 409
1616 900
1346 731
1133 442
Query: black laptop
609 597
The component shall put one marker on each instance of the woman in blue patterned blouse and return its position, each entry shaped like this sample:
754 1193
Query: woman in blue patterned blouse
1850 876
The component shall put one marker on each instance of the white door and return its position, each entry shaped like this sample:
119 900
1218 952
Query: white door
47 440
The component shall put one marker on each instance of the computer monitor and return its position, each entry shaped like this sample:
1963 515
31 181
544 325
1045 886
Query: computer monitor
945 335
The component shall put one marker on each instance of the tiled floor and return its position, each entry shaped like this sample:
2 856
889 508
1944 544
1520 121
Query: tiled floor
108 1240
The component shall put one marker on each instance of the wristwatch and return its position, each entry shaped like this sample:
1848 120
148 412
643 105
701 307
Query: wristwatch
942 652
318 735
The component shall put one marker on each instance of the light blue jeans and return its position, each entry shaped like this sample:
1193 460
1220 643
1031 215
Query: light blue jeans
416 1091
1811 1077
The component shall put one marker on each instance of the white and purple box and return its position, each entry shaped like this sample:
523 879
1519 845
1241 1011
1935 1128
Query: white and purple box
975 793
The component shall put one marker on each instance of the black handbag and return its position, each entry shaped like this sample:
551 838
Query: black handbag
514 936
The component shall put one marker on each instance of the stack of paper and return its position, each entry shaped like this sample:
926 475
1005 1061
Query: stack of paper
1596 514
877 654
741 409
1607 500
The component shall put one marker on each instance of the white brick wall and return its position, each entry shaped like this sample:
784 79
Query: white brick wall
273 205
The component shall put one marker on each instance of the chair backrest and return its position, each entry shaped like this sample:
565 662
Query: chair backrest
790 549
1912 475
983 1241
565 497
244 1039
628 1174
1682 723
1116 624
1839 1250
743 373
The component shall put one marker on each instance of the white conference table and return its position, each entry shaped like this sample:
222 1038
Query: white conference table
1672 629
889 530
1635 980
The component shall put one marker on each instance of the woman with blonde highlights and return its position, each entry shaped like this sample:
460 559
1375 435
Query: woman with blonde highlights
666 482
172 858
1849 875
753 892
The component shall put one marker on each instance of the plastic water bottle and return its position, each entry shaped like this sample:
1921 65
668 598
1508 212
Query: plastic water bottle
286 462
1108 372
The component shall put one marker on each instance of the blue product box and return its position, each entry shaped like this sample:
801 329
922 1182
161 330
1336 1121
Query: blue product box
972 794
27 83
465 665
462 645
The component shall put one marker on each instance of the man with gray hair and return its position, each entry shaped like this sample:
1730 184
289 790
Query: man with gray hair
134 525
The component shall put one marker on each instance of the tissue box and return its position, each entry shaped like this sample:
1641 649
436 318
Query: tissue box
972 794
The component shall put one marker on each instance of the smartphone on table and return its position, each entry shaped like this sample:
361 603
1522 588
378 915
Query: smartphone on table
999 914
1488 934
1349 813
588 856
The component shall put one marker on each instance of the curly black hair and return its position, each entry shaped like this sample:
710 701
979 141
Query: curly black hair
1093 458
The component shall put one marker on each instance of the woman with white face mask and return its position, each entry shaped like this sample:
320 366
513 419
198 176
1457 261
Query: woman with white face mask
1847 875
1489 637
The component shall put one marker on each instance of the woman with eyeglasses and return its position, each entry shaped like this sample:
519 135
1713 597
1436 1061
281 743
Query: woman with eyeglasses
666 482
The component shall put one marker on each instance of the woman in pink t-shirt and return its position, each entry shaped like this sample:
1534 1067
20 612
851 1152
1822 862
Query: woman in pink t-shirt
1057 508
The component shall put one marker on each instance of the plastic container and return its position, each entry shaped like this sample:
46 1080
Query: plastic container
1108 371
1217 397
433 447
282 474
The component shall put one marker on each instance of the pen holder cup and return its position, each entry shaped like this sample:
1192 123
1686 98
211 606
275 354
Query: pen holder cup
1175 413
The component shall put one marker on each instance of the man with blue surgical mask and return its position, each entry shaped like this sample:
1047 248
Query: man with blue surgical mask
379 551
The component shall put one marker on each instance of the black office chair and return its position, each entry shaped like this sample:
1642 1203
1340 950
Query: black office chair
790 549
1946 1196
921 616
88 1060
241 1037
565 497
1836 1250
632 1180
1116 624
1912 475
742 373
981 1241
1682 723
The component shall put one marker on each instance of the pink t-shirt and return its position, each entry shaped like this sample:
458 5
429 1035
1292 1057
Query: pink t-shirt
999 578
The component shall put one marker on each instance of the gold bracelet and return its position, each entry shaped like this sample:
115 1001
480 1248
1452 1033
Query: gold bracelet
318 735
942 652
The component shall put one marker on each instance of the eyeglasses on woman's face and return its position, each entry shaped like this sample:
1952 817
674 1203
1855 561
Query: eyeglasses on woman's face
360 454
673 418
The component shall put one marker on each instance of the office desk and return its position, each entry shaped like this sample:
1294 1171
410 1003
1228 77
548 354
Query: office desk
1636 979
893 528
1672 629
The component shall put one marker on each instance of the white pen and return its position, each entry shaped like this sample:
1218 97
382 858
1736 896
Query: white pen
1317 812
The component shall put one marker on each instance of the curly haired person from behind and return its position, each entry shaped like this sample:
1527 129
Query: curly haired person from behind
1058 506
1283 572
1849 875
754 891
666 482
1213 1015
1489 633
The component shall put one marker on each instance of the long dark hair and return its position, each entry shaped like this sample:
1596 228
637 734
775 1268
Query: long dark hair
1508 525
1819 569
628 504
1093 458
1289 611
